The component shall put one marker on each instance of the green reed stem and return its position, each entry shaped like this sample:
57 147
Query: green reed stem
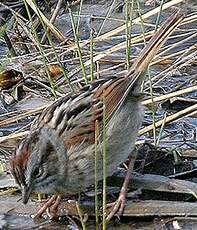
9 44
152 106
81 216
56 54
106 17
79 14
129 18
40 49
149 76
159 15
97 69
78 45
104 166
91 56
96 174
161 130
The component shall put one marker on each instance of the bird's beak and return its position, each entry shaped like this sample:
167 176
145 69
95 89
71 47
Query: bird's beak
26 191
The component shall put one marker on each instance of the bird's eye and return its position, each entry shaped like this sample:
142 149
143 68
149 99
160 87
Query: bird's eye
37 172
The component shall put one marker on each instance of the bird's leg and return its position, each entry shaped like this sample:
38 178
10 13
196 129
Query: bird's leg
118 206
52 211
50 207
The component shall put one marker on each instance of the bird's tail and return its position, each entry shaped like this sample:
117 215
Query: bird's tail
140 65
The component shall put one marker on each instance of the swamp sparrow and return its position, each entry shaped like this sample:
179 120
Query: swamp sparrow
58 154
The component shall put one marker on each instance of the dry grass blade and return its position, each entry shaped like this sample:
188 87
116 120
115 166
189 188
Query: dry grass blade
116 31
55 13
170 95
137 20
136 40
157 183
13 136
190 19
174 45
186 57
105 53
52 28
170 118
22 116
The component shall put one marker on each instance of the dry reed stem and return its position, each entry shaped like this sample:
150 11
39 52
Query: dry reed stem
137 20
107 52
13 136
53 17
170 95
178 62
116 31
53 29
170 118
21 116
174 45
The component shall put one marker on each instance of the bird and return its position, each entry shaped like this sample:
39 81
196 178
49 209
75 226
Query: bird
57 156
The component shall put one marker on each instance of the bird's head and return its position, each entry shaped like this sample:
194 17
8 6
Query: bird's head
37 164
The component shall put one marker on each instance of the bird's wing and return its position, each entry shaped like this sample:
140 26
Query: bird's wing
74 116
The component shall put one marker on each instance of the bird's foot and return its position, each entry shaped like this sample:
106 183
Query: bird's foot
51 208
117 207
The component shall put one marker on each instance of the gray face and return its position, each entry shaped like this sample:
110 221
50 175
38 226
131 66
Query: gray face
43 172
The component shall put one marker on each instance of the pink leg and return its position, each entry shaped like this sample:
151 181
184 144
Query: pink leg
51 205
118 206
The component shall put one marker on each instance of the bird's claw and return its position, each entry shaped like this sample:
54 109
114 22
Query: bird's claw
51 208
117 207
